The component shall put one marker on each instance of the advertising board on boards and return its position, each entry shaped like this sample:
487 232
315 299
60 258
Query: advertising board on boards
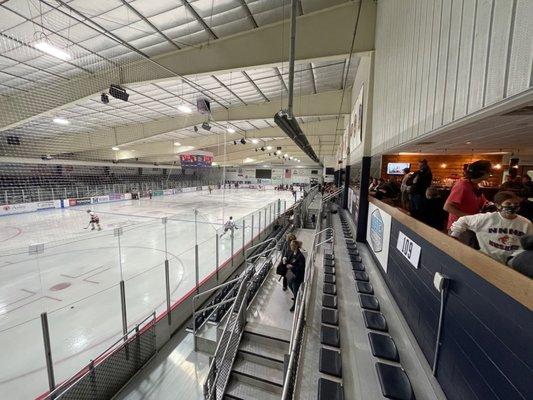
378 234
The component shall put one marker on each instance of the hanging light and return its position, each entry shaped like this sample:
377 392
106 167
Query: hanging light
50 49
255 141
269 147
230 130
61 121
115 148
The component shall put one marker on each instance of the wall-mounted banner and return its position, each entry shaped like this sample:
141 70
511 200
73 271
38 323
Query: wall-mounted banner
409 249
350 199
378 234
356 122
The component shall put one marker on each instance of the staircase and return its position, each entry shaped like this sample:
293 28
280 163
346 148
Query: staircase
257 372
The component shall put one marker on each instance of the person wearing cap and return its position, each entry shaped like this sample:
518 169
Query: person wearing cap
421 181
465 197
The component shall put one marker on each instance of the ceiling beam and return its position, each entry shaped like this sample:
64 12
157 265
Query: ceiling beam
226 54
200 20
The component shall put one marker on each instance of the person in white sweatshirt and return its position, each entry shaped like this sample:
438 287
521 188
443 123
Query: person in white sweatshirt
499 232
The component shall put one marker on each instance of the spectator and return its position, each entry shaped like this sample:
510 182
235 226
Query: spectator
421 181
405 188
499 232
295 269
285 254
511 183
522 261
528 185
465 197
373 185
433 213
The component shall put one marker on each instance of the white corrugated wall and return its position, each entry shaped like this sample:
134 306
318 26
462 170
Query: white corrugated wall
439 60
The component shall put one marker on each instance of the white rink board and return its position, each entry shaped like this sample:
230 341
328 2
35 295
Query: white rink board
76 278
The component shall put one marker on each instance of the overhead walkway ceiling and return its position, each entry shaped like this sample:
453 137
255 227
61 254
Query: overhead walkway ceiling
166 56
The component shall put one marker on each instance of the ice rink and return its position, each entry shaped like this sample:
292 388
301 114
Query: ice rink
75 275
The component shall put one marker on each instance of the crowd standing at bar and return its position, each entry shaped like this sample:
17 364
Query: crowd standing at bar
501 228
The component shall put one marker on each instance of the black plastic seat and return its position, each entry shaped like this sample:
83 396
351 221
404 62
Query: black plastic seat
330 362
369 302
329 257
330 316
329 301
394 382
329 390
328 278
364 287
360 276
383 346
329 335
354 257
356 266
329 270
329 288
329 263
375 320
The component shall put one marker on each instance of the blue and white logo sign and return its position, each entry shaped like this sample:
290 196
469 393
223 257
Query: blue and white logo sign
376 231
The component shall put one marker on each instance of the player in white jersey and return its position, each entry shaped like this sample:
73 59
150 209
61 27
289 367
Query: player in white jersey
229 226
94 221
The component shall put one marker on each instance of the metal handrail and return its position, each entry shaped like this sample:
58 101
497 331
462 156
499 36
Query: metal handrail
331 195
247 251
299 319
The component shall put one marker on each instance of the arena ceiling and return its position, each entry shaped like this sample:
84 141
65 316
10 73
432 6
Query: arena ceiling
167 54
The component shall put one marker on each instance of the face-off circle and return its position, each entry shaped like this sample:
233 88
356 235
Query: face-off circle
60 286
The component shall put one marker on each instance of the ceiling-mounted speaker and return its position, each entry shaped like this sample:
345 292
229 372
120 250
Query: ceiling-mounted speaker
118 92
203 106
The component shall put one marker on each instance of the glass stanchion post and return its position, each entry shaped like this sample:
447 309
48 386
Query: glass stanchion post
118 233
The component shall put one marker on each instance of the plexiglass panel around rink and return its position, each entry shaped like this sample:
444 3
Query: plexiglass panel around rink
83 278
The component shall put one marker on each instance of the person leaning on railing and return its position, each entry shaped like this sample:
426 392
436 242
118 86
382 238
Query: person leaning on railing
295 269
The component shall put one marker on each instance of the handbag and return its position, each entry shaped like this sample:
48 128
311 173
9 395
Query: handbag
281 269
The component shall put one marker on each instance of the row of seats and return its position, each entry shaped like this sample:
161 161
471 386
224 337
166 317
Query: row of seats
330 362
392 377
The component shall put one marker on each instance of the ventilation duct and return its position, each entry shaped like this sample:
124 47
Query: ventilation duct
292 130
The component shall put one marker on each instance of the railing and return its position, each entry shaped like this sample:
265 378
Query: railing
222 361
300 314
331 195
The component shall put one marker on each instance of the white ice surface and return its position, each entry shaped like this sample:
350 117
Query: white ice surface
76 278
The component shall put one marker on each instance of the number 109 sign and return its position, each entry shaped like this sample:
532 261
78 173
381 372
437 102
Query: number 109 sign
409 249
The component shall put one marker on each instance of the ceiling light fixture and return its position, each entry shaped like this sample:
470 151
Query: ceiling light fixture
278 152
61 121
498 166
262 149
115 148
248 160
443 165
104 98
231 130
206 126
177 144
255 141
269 147
50 49
243 141
185 108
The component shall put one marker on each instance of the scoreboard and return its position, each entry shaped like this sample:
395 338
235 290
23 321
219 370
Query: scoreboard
196 160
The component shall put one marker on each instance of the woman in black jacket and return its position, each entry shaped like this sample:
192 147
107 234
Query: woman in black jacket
296 264
285 254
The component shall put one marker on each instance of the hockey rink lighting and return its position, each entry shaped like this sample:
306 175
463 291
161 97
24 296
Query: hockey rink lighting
177 144
185 109
52 50
61 121
115 148
255 141
231 130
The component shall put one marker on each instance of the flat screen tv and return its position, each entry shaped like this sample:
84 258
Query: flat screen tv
396 168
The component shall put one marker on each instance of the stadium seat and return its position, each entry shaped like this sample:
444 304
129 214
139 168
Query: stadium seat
329 263
356 266
369 302
329 270
329 335
329 288
383 346
375 320
328 278
329 301
354 257
360 276
364 287
329 257
394 382
330 316
329 390
330 362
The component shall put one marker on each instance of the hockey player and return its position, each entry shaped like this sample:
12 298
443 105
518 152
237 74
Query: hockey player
229 226
210 189
95 220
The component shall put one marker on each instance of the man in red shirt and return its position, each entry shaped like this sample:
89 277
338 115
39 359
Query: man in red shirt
465 197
